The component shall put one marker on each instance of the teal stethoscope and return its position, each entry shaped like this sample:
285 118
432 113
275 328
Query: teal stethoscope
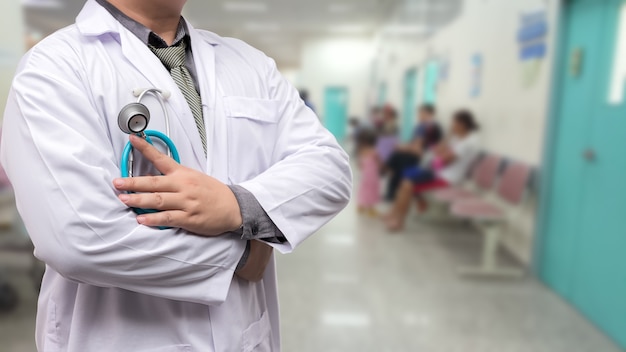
134 119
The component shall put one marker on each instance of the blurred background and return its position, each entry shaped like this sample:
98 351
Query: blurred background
521 250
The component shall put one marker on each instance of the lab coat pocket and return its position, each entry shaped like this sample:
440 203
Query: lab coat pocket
252 132
257 337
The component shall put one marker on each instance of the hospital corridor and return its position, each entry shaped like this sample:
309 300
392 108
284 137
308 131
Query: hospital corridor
313 176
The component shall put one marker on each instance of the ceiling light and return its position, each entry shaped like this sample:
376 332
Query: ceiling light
237 6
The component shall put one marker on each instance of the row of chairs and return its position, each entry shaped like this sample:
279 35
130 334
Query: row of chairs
491 200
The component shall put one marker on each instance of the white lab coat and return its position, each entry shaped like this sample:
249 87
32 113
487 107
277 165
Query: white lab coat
112 285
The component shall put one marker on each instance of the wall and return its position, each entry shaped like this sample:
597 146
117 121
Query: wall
513 115
11 45
345 62
291 74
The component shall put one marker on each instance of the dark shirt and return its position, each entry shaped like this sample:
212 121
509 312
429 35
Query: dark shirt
431 134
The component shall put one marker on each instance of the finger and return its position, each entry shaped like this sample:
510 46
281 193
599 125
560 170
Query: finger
171 218
158 201
148 184
162 162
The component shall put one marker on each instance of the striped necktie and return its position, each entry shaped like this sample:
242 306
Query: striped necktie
173 58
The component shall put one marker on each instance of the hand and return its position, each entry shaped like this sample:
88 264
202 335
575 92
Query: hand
187 199
259 257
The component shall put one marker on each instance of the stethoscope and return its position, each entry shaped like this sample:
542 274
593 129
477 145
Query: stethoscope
134 119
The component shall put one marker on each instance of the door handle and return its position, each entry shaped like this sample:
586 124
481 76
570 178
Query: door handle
589 155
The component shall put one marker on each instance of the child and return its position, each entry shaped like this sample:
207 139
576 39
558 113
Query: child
369 165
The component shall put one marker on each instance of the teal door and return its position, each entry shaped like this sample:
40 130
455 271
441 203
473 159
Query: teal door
583 252
410 104
336 111
431 79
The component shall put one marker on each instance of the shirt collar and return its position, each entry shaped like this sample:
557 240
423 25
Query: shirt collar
147 36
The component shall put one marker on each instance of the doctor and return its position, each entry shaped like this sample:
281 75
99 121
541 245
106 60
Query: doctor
258 172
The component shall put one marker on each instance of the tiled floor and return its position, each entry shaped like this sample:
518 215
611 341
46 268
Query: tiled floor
354 288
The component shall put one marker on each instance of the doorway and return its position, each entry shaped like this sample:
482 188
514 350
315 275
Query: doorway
336 111
431 79
582 253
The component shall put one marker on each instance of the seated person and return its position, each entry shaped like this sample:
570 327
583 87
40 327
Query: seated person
387 131
427 134
388 125
451 163
375 117
369 167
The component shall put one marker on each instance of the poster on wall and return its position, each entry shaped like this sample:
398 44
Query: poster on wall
532 37
476 75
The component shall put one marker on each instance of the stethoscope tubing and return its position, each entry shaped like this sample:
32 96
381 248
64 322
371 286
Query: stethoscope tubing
127 165
128 150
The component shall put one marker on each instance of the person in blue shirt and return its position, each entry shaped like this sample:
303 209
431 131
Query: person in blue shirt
427 134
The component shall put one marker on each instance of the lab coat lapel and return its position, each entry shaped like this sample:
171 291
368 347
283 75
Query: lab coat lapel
139 55
94 20
204 58
153 70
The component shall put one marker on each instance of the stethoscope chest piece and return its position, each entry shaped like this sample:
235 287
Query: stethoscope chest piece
134 119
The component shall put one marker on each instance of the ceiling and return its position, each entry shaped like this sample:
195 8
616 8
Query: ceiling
279 27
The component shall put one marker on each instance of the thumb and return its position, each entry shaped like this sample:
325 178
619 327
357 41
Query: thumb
162 162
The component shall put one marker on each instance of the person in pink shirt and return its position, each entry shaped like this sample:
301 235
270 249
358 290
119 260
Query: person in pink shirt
369 165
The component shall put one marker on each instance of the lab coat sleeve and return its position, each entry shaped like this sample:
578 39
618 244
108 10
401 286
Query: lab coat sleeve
58 154
311 180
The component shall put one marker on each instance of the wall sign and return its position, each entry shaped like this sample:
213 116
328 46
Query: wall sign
476 75
531 37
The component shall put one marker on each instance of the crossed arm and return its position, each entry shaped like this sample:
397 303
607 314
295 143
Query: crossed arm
59 159
189 200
